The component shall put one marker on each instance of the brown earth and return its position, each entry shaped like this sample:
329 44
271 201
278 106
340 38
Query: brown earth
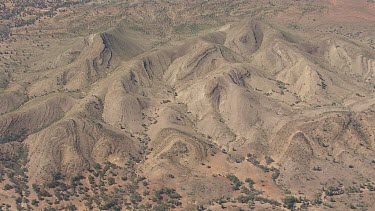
212 105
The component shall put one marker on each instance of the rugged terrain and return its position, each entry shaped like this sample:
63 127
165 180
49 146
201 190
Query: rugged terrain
188 105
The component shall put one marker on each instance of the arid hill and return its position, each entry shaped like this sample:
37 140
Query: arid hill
190 105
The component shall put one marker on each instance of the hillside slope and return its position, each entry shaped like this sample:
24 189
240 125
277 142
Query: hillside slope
246 115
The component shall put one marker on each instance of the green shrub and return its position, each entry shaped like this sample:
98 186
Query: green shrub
7 187
97 166
111 181
124 178
236 182
245 199
35 202
290 201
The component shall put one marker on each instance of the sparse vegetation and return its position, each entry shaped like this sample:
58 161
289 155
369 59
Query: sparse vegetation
236 182
160 87
9 137
289 202
331 191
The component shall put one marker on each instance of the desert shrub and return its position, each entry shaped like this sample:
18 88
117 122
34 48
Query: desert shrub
44 193
58 195
35 202
353 189
111 204
245 199
269 160
318 198
89 205
7 187
351 206
4 32
267 200
71 207
55 181
91 180
17 136
124 178
245 190
317 168
370 187
275 174
236 182
174 197
135 198
250 182
57 176
289 202
111 181
35 188
161 207
172 193
97 166
331 191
